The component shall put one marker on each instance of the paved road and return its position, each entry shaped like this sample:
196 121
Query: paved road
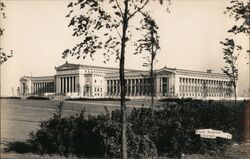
19 117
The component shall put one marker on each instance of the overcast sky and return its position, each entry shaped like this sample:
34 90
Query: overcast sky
189 37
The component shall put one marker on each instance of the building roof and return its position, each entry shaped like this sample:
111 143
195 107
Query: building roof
77 66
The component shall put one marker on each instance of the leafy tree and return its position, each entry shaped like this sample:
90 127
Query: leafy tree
230 58
150 44
240 11
3 56
96 21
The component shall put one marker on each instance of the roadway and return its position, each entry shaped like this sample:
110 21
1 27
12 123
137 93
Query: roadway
20 117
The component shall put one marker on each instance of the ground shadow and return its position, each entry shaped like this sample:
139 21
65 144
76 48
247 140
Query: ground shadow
18 147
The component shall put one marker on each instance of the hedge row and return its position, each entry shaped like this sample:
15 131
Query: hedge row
95 99
168 131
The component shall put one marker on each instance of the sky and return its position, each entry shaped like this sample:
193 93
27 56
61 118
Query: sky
37 31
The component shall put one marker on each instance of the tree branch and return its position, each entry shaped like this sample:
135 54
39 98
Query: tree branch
118 32
138 9
119 7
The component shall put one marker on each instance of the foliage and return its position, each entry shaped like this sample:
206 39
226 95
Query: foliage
168 131
3 55
241 12
230 57
95 99
150 41
37 98
150 44
96 24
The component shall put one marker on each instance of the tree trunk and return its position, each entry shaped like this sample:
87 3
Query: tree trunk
122 84
152 67
152 85
235 95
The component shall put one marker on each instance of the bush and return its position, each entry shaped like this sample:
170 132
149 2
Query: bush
37 98
169 131
95 99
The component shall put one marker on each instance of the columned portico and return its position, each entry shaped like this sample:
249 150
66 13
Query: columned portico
66 84
95 82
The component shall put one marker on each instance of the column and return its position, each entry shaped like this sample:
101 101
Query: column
131 86
108 89
46 86
117 87
157 86
70 84
61 85
37 88
135 87
127 86
64 85
34 88
40 87
114 86
74 84
67 79
58 85
43 87
138 86
141 89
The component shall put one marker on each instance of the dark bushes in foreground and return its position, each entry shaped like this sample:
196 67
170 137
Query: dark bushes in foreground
151 132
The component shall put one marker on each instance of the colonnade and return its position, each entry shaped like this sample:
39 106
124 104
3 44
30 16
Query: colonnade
133 87
67 84
42 87
203 87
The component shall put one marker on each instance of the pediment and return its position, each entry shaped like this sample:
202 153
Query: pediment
67 66
165 71
24 79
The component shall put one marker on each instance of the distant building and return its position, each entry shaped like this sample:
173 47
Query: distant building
75 80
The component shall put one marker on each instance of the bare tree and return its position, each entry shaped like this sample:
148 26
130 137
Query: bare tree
96 21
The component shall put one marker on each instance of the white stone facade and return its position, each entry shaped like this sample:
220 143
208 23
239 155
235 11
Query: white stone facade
74 80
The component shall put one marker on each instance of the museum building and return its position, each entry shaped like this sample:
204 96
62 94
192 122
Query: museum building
75 80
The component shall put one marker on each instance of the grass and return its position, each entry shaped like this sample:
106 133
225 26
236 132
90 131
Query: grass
13 155
241 151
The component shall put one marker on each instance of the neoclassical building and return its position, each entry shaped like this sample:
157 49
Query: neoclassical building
75 80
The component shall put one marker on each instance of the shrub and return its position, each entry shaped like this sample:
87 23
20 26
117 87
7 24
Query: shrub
95 99
37 98
168 131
